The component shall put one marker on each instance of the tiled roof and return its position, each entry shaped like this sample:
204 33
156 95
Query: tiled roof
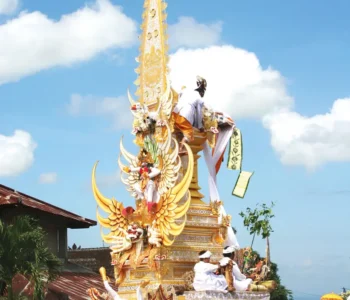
92 258
75 285
10 197
73 282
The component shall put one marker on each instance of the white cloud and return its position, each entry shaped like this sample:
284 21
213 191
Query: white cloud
48 178
311 141
237 83
32 42
187 32
116 108
8 7
16 153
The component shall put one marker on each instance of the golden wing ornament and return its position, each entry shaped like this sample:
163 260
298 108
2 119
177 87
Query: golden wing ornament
170 209
115 220
132 177
169 164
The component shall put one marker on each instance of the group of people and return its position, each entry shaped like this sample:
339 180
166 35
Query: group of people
224 276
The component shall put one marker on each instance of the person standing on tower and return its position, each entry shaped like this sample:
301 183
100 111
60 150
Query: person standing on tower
188 111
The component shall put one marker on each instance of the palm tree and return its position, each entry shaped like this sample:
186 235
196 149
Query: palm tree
23 251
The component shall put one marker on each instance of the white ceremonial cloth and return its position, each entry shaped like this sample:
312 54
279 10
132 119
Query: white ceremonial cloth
112 293
190 107
211 160
206 280
139 295
241 282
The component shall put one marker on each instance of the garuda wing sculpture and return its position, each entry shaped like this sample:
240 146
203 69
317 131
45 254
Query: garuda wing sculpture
170 200
160 156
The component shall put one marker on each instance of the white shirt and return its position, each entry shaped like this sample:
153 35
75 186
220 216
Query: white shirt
206 280
190 107
241 282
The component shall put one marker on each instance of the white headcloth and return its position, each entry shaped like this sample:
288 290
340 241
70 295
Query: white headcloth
229 249
206 254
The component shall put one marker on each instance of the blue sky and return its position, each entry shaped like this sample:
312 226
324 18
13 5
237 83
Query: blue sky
296 51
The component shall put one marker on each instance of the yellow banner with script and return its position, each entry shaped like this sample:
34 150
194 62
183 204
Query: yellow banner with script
234 162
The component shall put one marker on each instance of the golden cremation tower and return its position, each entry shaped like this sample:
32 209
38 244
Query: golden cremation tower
185 224
202 230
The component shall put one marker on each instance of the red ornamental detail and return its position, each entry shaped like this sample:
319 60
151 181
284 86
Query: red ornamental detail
160 257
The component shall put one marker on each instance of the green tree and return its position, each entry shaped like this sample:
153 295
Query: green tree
281 292
257 221
345 294
23 251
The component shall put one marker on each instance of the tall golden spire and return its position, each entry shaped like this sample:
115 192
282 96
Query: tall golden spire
153 59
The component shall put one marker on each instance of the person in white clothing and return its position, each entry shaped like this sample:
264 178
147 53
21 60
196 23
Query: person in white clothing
191 103
188 112
206 276
113 295
240 281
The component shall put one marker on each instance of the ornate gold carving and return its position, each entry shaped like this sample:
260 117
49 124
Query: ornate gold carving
96 295
201 230
153 58
162 293
215 205
196 146
163 271
210 126
226 221
152 61
218 238
179 272
141 274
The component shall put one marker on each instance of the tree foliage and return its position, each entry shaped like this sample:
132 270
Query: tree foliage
23 251
257 221
281 292
345 294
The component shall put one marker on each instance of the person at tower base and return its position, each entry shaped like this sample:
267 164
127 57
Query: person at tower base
236 280
206 275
